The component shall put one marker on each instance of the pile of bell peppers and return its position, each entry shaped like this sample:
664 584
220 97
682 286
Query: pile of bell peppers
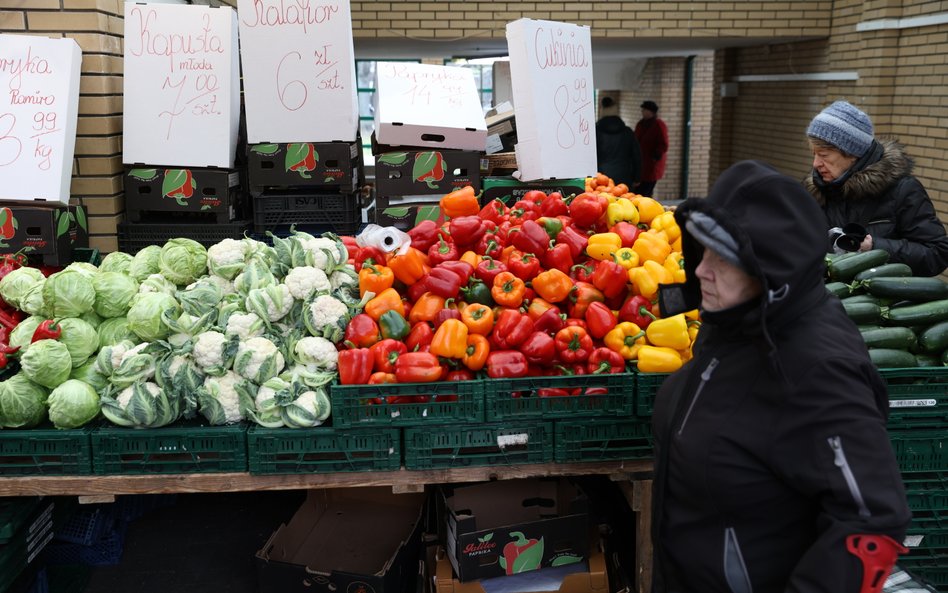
549 285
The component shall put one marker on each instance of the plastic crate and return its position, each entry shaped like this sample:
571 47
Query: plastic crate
456 446
14 513
927 543
45 451
322 450
917 396
646 387
601 440
88 255
367 405
523 398
931 571
27 543
86 524
106 551
134 237
929 499
339 213
920 450
133 506
178 449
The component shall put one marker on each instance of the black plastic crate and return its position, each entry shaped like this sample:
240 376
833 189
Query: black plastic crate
339 213
133 237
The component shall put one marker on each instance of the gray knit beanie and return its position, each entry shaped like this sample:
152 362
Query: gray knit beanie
844 126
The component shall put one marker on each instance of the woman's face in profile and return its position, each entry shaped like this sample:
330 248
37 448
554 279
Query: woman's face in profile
830 163
724 285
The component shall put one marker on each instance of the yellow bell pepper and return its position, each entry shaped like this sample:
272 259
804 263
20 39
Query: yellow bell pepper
670 332
666 222
693 327
676 266
603 245
656 359
622 210
648 208
651 245
627 258
626 338
450 341
643 282
471 258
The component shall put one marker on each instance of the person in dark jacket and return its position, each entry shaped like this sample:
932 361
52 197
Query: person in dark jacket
860 181
771 452
653 140
617 149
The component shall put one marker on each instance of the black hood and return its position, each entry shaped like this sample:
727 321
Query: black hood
780 231
611 124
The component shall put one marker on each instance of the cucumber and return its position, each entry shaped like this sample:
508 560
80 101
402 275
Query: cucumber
927 360
910 289
896 270
934 339
845 268
863 313
898 338
866 298
890 358
839 289
920 314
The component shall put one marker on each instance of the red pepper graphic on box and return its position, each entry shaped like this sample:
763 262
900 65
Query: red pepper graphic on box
429 167
178 184
522 554
8 224
301 158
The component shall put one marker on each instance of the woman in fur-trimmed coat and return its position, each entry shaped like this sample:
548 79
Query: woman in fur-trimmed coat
857 179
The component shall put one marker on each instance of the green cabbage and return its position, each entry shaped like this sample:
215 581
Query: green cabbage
87 373
116 261
32 301
80 339
68 294
115 330
157 283
15 284
73 404
22 402
92 318
22 334
144 316
182 261
47 362
85 268
144 263
113 293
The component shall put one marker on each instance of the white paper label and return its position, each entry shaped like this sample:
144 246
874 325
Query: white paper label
912 403
913 541
508 440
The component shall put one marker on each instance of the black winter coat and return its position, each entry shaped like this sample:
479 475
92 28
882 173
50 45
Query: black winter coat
617 150
880 193
770 444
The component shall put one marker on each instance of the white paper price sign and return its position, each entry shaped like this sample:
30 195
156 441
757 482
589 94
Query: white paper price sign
39 106
552 80
299 71
182 94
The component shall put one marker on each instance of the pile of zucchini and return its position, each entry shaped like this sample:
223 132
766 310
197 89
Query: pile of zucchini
902 318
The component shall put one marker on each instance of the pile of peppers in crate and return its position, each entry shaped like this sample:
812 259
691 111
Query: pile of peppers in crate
551 285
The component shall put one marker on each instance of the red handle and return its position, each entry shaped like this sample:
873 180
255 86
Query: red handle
878 554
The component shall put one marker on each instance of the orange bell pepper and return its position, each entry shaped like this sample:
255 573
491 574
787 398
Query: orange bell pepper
387 300
537 307
475 355
375 278
626 338
471 258
450 339
460 202
409 268
508 290
478 318
553 285
650 245
425 308
382 377
505 253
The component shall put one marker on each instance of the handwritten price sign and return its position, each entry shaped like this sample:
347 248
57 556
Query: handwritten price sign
39 105
551 76
299 71
182 102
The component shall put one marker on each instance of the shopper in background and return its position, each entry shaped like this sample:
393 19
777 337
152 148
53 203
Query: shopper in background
771 453
868 184
617 149
653 140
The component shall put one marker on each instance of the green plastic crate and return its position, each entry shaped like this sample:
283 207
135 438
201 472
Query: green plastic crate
504 444
523 398
920 450
45 451
932 571
89 255
322 450
917 396
924 543
14 512
366 405
186 448
927 499
601 440
27 542
646 386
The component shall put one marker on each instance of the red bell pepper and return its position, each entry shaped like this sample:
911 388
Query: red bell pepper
47 330
600 320
550 321
457 375
523 265
490 245
583 272
362 331
585 209
605 360
627 231
573 344
420 336
583 294
503 364
417 367
574 239
425 234
461 268
558 258
385 353
638 310
610 278
511 329
488 269
355 366
443 282
520 214
442 251
516 558
414 291
467 230
370 255
531 238
445 314
539 348
553 205
495 211
534 196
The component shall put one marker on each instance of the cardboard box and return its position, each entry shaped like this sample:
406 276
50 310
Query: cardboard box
213 192
49 233
508 190
428 106
404 212
501 129
430 172
513 526
306 164
345 540
593 580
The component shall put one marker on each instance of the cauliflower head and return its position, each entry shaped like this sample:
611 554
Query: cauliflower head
305 281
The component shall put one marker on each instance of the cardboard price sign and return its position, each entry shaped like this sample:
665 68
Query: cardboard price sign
182 94
552 80
39 106
299 71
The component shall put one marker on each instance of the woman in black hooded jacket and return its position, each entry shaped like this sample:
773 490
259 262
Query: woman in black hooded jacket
771 451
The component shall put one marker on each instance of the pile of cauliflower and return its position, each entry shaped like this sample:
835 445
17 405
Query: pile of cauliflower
239 331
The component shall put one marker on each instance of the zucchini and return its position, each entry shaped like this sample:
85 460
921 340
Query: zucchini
863 313
839 289
845 268
927 360
866 298
920 314
890 358
898 338
916 289
934 339
897 270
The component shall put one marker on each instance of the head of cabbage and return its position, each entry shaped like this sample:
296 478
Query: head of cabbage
47 362
113 293
22 402
68 293
144 316
80 339
144 263
73 404
14 285
117 261
182 261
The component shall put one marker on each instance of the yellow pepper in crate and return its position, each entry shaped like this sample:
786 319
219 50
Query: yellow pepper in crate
622 210
627 258
648 208
666 222
651 245
603 245
626 338
676 266
450 341
658 359
670 332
